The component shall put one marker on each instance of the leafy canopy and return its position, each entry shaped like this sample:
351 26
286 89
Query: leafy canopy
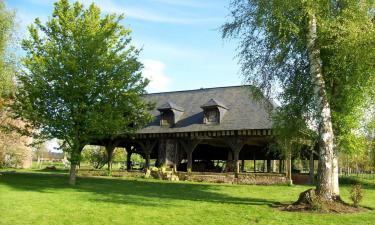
6 67
82 79
273 56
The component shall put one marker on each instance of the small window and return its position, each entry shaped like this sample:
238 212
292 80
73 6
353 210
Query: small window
212 116
167 118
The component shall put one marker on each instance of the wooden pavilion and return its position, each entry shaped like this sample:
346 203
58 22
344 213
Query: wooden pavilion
193 127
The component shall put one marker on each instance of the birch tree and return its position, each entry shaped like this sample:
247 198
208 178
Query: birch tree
319 55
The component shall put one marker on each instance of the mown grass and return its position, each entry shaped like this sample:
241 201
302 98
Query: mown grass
47 199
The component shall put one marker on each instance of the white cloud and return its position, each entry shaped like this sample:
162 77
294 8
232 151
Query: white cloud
154 70
146 15
140 13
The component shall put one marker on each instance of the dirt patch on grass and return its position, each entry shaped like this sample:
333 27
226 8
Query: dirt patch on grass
309 201
332 207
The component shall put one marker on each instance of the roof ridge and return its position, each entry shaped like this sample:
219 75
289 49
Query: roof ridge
200 89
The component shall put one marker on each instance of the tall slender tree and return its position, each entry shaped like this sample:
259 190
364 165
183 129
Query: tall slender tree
321 55
81 81
6 64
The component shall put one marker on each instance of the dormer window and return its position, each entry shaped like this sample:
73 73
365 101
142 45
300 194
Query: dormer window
166 118
170 113
211 116
213 111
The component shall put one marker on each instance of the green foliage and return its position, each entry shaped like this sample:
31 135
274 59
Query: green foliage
81 80
119 155
6 62
273 56
95 155
356 194
137 159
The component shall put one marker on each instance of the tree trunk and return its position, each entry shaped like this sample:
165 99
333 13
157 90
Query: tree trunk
325 170
311 168
335 176
109 149
75 156
288 168
72 174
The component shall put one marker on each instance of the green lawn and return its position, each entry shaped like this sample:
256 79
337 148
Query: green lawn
47 199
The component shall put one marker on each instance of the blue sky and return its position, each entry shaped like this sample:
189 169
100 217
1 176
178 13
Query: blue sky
181 40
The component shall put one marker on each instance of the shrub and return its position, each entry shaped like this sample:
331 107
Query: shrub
356 194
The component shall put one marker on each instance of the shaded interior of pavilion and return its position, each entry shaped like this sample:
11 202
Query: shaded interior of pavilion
219 158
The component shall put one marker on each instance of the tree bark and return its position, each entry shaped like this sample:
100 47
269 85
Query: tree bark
75 156
288 168
72 174
335 176
311 168
325 170
109 149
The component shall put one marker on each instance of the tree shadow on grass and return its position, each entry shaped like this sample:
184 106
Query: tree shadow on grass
350 180
138 192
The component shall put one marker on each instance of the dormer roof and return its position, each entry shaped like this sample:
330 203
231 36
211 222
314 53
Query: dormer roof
213 103
170 106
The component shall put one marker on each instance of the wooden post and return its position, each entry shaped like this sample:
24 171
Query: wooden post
189 147
268 166
189 161
128 161
264 166
147 166
243 165
280 165
236 162
147 147
110 146
274 168
236 145
229 164
255 163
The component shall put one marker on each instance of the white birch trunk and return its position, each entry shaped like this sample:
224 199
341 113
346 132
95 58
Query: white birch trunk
335 175
325 177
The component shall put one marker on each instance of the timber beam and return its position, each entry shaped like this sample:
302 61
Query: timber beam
147 146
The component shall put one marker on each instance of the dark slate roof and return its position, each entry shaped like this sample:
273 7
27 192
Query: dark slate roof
243 111
170 105
213 103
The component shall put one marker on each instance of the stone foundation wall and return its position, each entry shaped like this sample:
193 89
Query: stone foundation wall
229 178
262 178
114 173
